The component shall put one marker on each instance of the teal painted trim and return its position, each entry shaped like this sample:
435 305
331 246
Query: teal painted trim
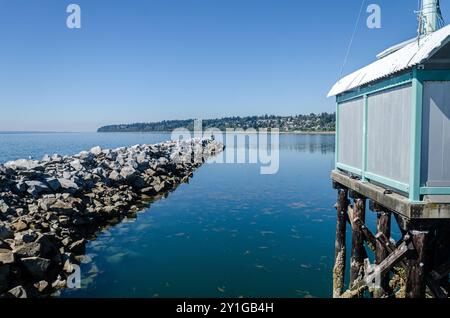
438 75
365 131
435 190
416 136
375 88
349 169
388 182
336 144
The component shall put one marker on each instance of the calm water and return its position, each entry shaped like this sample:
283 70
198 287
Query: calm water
231 232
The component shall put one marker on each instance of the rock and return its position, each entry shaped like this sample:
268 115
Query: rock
41 286
26 237
33 208
68 185
64 220
59 283
22 164
159 186
46 158
3 207
19 225
48 248
18 292
96 150
20 187
37 267
53 183
76 164
139 182
78 247
5 232
128 172
28 250
62 207
6 257
36 187
115 176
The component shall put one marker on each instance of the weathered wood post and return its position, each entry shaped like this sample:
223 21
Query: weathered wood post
442 252
358 251
340 246
417 265
381 252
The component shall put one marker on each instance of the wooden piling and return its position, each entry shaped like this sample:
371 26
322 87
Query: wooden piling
442 253
358 251
340 245
381 252
417 265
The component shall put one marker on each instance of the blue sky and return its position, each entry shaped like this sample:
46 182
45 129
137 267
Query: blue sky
140 61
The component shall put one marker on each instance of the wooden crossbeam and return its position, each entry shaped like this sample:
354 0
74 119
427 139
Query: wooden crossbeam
389 262
369 237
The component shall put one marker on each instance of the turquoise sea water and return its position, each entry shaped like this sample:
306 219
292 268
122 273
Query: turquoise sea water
231 232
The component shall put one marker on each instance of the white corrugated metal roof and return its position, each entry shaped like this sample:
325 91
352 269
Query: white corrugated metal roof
404 58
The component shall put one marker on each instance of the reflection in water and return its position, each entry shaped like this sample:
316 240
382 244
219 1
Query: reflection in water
231 232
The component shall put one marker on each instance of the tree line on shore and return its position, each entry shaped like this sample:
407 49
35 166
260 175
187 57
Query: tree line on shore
324 122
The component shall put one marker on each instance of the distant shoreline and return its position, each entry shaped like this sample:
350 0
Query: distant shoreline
235 132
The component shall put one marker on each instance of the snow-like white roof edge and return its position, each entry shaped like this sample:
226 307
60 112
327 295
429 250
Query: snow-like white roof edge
406 57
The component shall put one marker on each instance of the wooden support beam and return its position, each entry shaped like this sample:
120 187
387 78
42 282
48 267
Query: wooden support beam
359 253
368 236
340 245
381 253
417 265
389 262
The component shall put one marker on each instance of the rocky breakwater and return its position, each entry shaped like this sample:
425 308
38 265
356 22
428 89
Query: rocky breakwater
48 208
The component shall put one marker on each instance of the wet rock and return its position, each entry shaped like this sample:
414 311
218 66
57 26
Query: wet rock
36 266
59 283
